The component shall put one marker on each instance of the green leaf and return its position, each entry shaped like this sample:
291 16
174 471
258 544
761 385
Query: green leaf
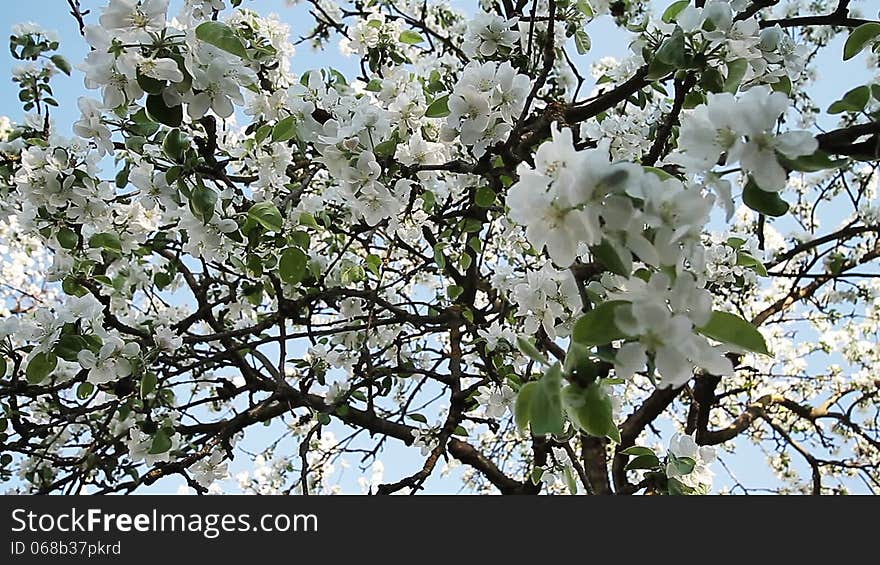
585 8
293 265
306 219
616 260
591 410
693 99
175 145
536 474
672 51
818 161
439 108
522 406
484 197
569 480
202 200
150 85
285 129
674 10
531 351
545 406
69 346
454 291
262 133
3 367
682 465
657 69
678 488
643 462
301 239
161 442
663 175
782 85
759 200
731 329
386 148
736 70
148 383
418 418
221 36
375 85
582 42
61 63
637 450
158 111
578 362
410 37
746 260
711 80
859 39
67 238
736 242
84 390
106 240
853 101
40 366
267 215
597 326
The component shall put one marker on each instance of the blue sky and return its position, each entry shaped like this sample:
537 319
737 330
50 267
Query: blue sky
835 78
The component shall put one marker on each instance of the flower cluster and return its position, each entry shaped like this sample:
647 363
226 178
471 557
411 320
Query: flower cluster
743 130
485 104
489 36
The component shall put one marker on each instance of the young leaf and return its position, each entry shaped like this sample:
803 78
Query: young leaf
148 384
485 197
221 36
410 37
84 390
590 409
293 265
40 366
859 39
67 238
267 215
61 63
674 10
730 328
746 260
285 129
531 351
161 442
818 161
597 326
545 410
682 465
106 240
853 101
649 461
202 200
736 70
672 51
617 260
171 116
759 200
582 42
522 406
175 145
637 450
439 108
